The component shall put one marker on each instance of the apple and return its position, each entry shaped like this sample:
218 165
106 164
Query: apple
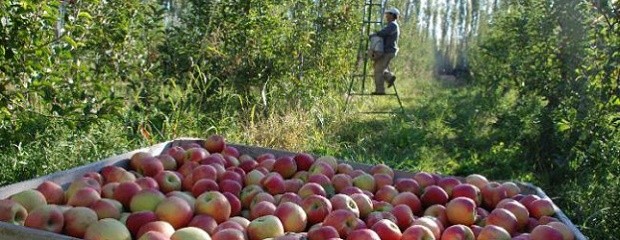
323 233
438 211
12 212
136 158
477 180
158 226
431 224
546 232
365 182
77 220
410 200
215 143
136 220
492 232
153 235
190 233
289 197
84 197
244 222
469 191
187 168
265 227
382 168
404 216
107 191
146 200
424 179
342 201
517 209
344 221
230 161
273 183
511 188
285 166
322 168
503 218
147 182
229 225
458 232
262 208
54 194
195 154
492 193
169 162
150 166
375 217
541 207
107 208
434 195
418 232
364 204
204 185
116 174
262 196
231 151
204 222
254 177
234 174
448 183
461 210
248 193
178 153
228 234
567 234
45 217
382 206
174 210
235 203
214 204
344 168
303 161
382 179
125 191
293 185
267 164
107 228
317 207
386 193
522 236
168 181
547 219
341 181
247 164
187 196
322 180
311 188
204 172
29 199
407 185
363 234
352 190
387 229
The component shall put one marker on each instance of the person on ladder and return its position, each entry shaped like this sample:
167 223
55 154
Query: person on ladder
389 34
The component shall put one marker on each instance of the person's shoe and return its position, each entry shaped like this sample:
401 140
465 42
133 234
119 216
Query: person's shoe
391 81
377 93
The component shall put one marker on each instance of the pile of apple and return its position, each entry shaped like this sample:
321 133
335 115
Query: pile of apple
212 191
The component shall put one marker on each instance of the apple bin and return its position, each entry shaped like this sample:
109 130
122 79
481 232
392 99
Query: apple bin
11 231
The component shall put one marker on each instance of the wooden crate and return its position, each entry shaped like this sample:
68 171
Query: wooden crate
10 231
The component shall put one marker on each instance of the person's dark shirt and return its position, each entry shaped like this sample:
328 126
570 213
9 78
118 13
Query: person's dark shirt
390 35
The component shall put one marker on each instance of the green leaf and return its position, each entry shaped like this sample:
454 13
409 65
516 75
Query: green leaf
70 41
85 15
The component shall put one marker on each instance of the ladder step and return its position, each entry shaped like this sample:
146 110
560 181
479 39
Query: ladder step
372 22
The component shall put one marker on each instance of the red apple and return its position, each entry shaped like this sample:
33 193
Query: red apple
477 180
146 200
292 216
107 228
273 183
364 204
382 179
84 197
125 191
323 233
138 219
147 182
365 182
448 183
303 161
469 191
458 232
503 218
541 207
387 229
178 153
285 166
290 197
438 211
235 203
254 177
107 191
168 181
107 208
228 234
231 151
204 222
518 210
267 164
265 227
248 193
410 200
204 185
45 217
567 234
136 158
342 201
344 221
330 160
175 211
341 181
418 232
404 216
386 193
214 204
157 226
492 193
77 220
317 207
322 168
424 179
54 194
293 185
461 210
262 208
150 166
311 189
382 168
431 224
195 154
363 234
433 195
546 232
492 232
215 143
12 212
344 168
29 199
168 161
407 185
153 235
